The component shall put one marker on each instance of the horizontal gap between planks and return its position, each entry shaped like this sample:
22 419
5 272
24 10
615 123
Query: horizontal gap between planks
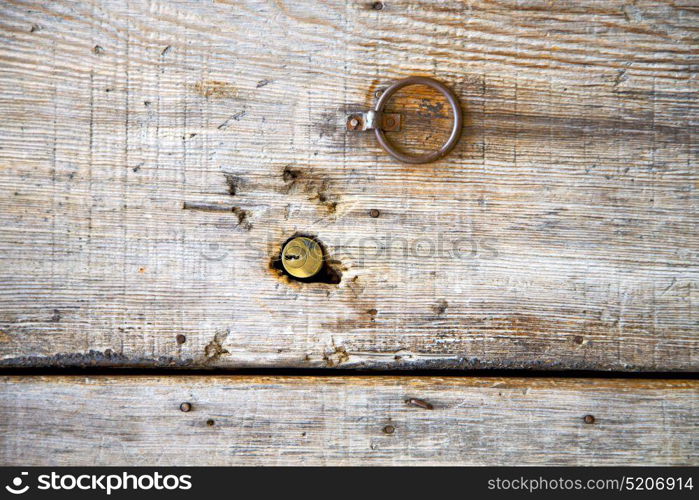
315 372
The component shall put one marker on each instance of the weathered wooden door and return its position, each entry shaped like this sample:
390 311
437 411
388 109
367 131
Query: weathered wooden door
154 157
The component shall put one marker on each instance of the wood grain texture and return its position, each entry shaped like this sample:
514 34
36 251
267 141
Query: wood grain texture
560 234
51 421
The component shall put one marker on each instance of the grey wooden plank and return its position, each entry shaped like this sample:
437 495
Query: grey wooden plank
561 234
238 420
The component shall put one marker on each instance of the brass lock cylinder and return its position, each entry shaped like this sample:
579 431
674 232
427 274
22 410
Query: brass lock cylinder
302 257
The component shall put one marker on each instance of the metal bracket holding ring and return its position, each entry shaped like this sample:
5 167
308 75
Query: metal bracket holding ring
381 122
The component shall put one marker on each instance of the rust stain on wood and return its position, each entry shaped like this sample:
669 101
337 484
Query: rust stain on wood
215 89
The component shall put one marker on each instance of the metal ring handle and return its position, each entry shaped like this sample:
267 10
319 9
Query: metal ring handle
455 131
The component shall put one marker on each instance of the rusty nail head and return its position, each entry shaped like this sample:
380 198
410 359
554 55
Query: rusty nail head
374 213
185 407
377 6
181 339
389 429
589 419
390 122
355 122
210 423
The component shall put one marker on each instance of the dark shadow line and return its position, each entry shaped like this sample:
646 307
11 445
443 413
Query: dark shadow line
334 372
